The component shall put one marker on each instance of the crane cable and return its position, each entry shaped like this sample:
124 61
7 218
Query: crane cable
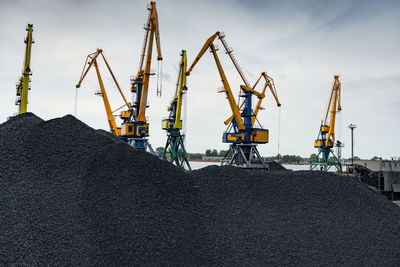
159 78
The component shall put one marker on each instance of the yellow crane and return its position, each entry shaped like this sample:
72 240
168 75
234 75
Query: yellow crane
174 150
136 129
23 84
91 60
241 133
326 135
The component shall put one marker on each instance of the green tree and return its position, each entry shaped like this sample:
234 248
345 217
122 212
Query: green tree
160 150
222 153
214 153
313 157
208 152
194 156
376 158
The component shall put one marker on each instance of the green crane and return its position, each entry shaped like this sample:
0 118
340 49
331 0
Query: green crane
174 150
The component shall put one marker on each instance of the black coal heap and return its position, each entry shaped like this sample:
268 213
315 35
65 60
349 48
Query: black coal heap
71 195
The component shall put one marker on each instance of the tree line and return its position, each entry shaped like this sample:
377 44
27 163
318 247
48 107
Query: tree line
283 159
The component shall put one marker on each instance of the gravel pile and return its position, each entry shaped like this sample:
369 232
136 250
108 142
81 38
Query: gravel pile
71 195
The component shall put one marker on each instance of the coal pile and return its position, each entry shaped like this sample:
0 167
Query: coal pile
275 166
253 218
71 195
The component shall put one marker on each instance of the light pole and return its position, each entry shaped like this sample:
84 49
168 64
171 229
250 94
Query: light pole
352 127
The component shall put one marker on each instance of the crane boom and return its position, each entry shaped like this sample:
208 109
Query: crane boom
135 128
231 99
23 85
180 88
91 60
174 150
326 135
143 76
269 82
336 107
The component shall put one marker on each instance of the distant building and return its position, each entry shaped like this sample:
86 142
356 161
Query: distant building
384 175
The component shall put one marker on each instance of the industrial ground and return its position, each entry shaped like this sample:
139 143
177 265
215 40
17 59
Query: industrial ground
71 195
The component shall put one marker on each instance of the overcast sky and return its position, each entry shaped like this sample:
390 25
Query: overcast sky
300 45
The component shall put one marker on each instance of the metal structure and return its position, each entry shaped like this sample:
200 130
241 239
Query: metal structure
326 159
241 133
174 150
352 127
23 84
91 60
135 129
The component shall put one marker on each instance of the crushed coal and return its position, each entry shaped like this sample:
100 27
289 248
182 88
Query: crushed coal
72 195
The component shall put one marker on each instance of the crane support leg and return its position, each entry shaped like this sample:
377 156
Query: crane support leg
175 151
324 164
141 144
244 156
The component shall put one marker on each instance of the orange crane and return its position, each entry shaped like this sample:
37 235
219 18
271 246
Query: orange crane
91 60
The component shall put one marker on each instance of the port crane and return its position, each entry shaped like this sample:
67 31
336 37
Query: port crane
23 83
136 128
174 150
241 133
91 61
326 135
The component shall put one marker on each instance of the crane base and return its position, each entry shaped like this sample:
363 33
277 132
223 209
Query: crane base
325 165
141 144
175 152
244 156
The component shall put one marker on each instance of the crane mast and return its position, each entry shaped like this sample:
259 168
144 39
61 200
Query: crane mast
326 135
174 150
136 128
23 84
241 133
91 60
